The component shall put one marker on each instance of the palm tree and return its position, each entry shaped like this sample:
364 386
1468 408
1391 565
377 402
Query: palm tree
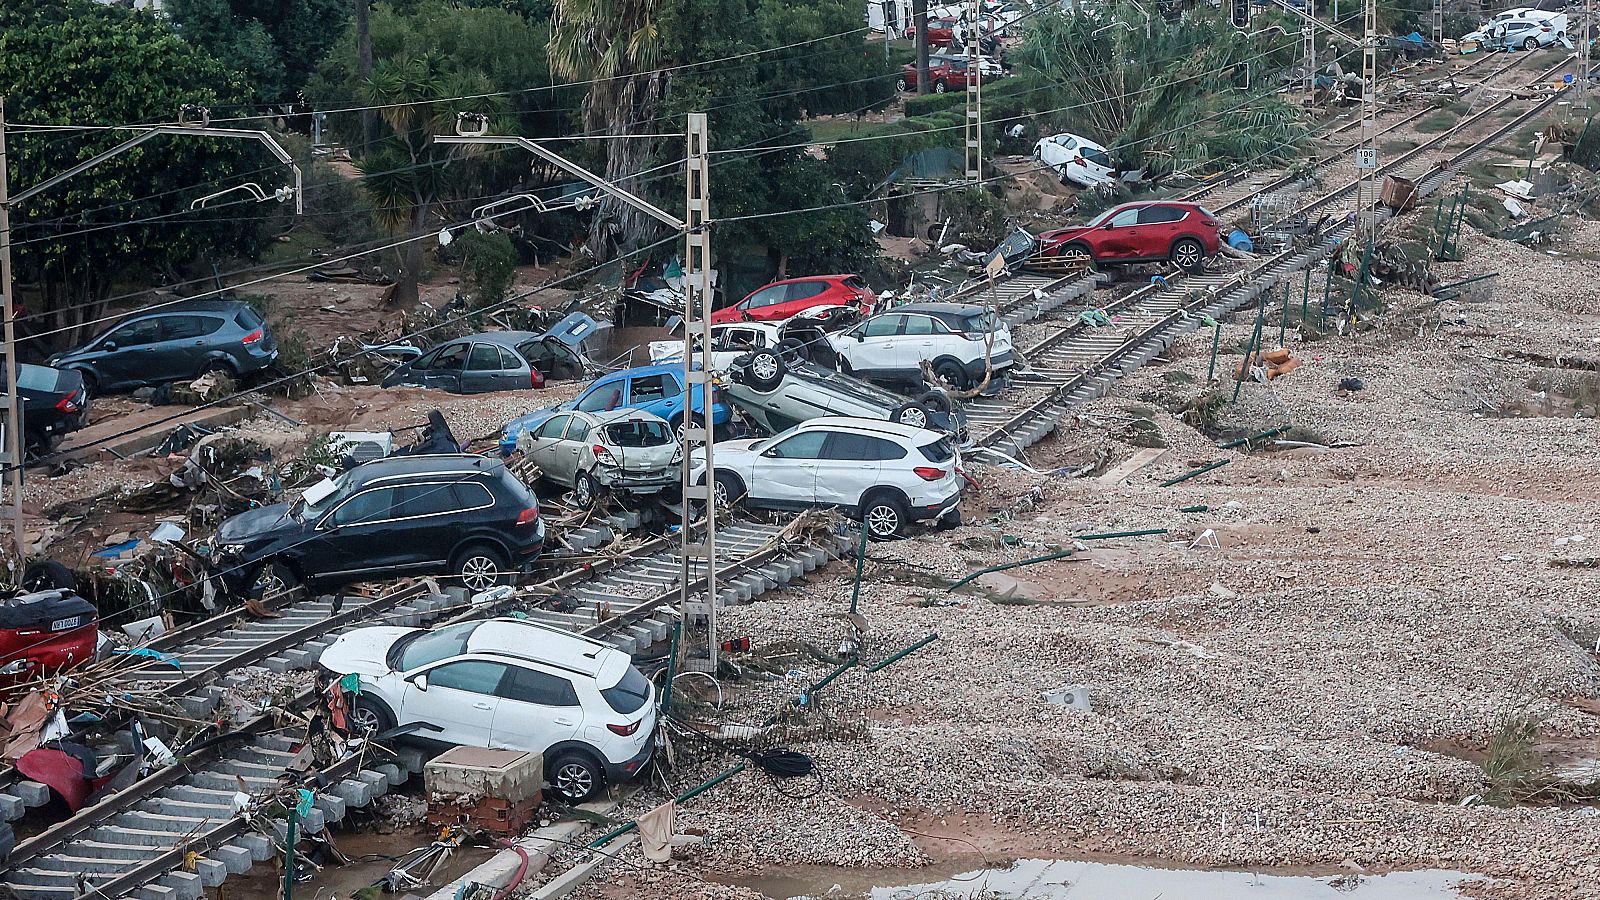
406 173
615 44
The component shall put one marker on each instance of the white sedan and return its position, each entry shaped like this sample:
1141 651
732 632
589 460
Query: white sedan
1076 159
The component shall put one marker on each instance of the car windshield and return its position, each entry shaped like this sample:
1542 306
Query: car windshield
421 648
637 434
980 323
33 378
629 694
1104 216
318 498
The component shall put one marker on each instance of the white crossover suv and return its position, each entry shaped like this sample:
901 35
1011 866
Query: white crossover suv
506 683
957 339
887 473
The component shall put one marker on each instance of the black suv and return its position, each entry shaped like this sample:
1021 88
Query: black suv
173 343
450 514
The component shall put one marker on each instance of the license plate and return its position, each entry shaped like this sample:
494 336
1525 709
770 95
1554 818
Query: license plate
64 624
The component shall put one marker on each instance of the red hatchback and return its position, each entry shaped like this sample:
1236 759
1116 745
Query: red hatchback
1184 234
784 299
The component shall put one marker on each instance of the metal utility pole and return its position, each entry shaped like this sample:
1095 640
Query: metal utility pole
1584 62
1367 153
919 22
1438 21
974 80
696 324
14 424
1310 36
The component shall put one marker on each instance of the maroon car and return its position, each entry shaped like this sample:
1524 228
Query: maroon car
1184 234
940 32
946 72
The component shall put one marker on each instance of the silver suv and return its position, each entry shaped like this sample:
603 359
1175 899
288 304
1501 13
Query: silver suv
778 394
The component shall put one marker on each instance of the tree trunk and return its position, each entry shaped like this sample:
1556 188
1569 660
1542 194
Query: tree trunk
369 117
919 20
618 227
405 286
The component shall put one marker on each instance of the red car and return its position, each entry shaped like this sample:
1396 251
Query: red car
946 72
784 299
940 32
1184 234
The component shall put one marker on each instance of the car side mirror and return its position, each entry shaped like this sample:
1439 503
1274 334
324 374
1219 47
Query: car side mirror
1107 226
108 345
421 681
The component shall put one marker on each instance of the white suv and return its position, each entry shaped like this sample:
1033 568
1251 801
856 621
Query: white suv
953 337
888 474
506 683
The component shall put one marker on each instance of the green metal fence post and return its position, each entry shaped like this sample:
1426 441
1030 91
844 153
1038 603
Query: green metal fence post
1216 340
861 563
1253 347
1283 323
291 836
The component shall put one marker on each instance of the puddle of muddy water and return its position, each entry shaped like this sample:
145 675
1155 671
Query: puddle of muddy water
1043 879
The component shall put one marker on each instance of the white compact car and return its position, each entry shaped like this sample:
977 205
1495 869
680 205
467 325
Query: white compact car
1076 159
952 337
625 451
888 474
506 683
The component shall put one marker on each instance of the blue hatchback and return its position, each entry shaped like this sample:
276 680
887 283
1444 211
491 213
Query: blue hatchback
655 389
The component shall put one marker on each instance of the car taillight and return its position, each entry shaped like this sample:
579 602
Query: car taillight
68 404
603 456
1210 223
929 473
528 516
623 730
253 336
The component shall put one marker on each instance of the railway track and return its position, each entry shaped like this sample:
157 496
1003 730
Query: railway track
137 842
1078 363
141 841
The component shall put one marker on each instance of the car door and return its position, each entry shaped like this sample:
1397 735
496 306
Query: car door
423 523
572 446
848 467
1117 237
128 354
798 296
537 710
873 344
659 394
484 370
1159 226
786 472
460 698
918 341
544 446
181 352
445 372
355 540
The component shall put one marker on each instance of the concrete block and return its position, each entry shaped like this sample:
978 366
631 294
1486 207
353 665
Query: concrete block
155 892
411 758
393 773
353 793
512 775
237 859
212 872
31 793
379 783
185 885
259 847
333 808
11 807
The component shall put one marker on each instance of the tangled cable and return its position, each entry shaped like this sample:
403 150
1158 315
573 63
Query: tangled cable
779 763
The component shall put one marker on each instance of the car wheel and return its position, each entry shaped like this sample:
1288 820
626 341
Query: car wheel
91 384
1530 44
939 88
480 567
884 515
1076 256
585 490
914 415
950 373
576 776
275 580
727 489
47 575
678 426
368 716
1189 255
217 365
937 401
901 85
791 350
762 370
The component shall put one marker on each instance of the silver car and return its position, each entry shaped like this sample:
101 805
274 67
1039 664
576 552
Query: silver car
624 451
